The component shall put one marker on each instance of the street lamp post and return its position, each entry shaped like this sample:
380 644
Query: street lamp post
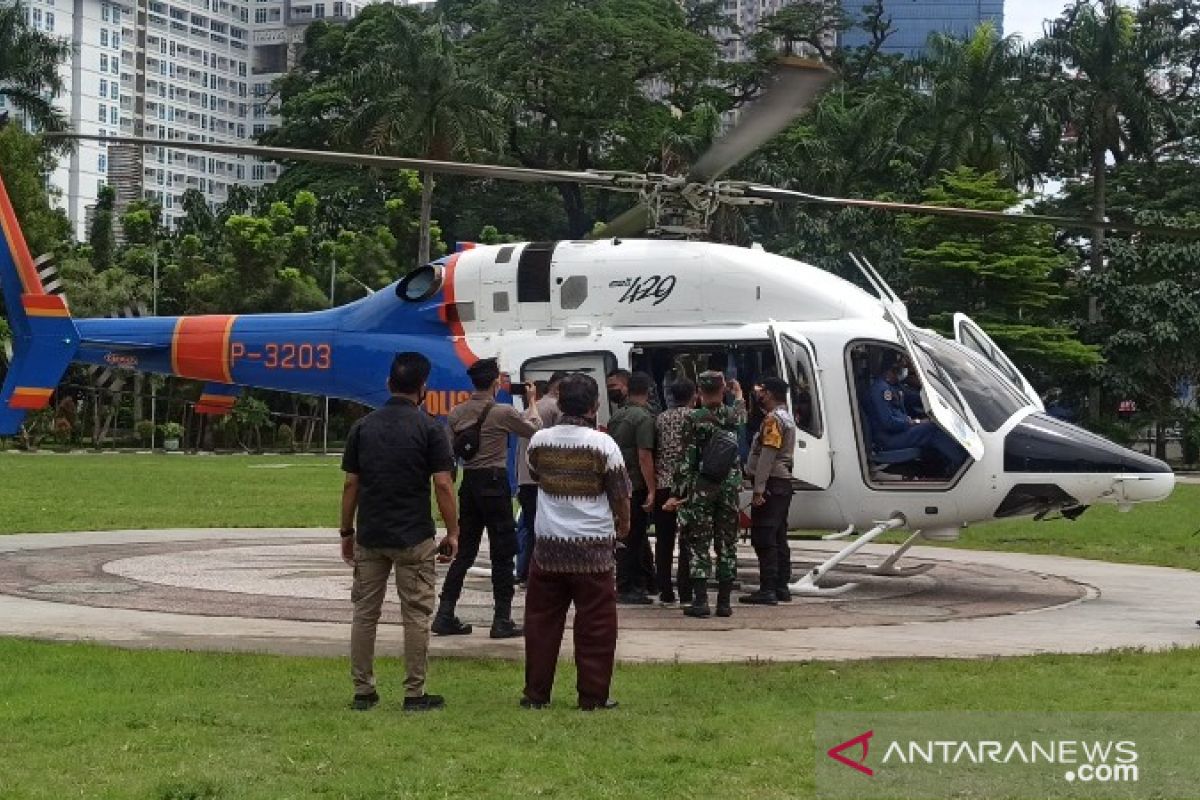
154 311
332 288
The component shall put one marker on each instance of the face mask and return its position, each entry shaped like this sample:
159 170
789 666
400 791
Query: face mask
616 395
903 374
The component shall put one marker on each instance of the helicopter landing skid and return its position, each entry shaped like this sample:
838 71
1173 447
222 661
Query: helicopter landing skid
887 568
810 583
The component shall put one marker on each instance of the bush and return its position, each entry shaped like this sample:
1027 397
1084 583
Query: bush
285 438
171 430
145 431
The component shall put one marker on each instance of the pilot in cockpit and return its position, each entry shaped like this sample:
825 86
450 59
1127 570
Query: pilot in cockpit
891 426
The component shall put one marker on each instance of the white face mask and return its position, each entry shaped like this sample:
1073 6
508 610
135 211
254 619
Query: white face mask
902 374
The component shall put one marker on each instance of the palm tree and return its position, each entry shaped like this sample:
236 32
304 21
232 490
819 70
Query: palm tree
29 61
413 97
1102 69
968 103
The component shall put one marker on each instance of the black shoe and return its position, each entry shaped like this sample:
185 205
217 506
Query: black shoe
505 629
666 598
365 702
699 607
763 597
783 595
449 626
607 705
426 702
723 592
634 599
527 703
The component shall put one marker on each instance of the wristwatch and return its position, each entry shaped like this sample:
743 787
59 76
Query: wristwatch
346 533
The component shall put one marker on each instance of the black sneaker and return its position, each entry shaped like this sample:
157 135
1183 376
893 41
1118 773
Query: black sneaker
506 629
426 702
783 595
607 705
365 702
667 598
527 703
449 626
634 599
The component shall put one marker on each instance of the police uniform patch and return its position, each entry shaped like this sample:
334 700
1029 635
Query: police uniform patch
772 435
887 395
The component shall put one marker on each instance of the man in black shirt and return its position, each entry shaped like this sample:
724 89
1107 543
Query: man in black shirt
391 455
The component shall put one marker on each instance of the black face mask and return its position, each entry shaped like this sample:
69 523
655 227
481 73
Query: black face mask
617 396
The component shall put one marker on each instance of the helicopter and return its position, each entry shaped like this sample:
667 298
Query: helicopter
647 293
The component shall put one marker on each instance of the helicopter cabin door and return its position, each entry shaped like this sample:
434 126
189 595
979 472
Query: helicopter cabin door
938 393
812 462
971 336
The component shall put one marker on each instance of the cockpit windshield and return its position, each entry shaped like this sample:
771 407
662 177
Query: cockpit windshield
992 399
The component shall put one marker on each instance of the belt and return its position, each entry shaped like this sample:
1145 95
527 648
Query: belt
493 472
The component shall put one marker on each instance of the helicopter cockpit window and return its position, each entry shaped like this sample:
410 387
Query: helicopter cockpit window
992 399
907 455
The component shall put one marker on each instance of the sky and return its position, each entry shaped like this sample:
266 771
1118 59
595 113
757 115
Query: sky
1025 17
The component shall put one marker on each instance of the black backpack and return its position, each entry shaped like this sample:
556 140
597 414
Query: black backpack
467 441
717 460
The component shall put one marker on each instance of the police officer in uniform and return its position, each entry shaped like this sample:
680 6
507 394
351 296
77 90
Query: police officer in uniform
770 470
891 426
708 514
485 501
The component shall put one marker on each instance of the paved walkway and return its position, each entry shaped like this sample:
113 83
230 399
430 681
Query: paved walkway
1086 606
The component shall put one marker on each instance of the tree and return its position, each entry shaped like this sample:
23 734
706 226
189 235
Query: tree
1007 277
971 108
588 83
1102 76
29 62
24 162
412 96
101 238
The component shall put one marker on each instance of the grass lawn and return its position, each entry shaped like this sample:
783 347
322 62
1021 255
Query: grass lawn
84 721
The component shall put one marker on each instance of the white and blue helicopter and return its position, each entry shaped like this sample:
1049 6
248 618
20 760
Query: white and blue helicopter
666 303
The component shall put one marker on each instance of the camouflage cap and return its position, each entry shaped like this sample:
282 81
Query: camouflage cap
710 381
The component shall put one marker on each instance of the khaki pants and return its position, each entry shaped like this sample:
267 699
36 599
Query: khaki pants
415 575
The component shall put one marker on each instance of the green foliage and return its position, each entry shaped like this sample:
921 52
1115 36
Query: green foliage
24 161
30 76
285 438
145 431
170 430
101 238
1007 277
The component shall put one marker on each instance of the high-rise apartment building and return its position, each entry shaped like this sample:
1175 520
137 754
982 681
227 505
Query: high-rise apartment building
176 70
914 20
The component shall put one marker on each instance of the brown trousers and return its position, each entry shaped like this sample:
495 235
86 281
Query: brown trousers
547 598
415 576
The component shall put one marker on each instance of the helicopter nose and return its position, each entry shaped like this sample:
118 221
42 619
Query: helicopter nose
1076 468
1041 443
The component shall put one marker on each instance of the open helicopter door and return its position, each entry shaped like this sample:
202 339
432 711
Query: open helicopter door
968 333
812 462
942 400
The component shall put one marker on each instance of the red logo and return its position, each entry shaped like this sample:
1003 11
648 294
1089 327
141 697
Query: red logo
863 739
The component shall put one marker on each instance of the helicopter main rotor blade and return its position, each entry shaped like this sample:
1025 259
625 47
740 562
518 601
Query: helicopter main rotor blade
793 88
1068 223
359 160
629 223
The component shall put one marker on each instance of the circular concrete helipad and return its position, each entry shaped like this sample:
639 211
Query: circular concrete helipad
287 591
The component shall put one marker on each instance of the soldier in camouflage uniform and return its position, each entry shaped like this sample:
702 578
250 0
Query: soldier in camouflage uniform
708 515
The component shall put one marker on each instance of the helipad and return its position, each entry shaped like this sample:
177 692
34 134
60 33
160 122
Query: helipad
287 591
